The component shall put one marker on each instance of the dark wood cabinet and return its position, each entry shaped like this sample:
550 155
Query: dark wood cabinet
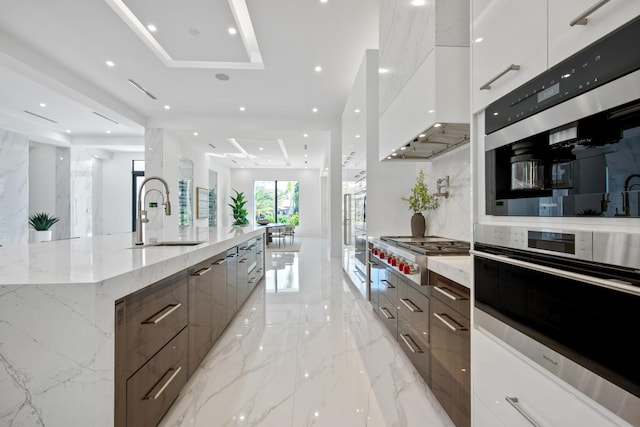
232 283
450 348
413 326
164 331
388 301
219 296
200 303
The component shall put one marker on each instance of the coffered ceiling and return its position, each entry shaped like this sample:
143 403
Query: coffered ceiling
256 83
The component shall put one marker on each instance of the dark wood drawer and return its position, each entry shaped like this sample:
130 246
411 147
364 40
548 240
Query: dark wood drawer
154 316
450 293
413 327
450 361
152 390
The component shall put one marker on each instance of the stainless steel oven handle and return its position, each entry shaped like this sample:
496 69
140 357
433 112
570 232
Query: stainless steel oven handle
604 283
513 401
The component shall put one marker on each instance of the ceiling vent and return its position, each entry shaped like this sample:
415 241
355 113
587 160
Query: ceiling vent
106 118
141 89
40 117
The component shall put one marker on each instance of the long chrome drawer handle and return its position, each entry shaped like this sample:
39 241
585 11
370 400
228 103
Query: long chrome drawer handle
156 396
513 401
166 311
441 317
201 271
582 18
449 294
406 339
410 305
384 311
389 285
487 85
220 261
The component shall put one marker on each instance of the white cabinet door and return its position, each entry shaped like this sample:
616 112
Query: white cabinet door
499 374
565 39
513 32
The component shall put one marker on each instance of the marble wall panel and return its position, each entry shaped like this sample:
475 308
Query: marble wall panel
453 218
14 188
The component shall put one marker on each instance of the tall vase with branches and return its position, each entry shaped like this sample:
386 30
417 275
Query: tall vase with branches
420 201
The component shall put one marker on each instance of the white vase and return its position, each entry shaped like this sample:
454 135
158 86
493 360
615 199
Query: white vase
41 235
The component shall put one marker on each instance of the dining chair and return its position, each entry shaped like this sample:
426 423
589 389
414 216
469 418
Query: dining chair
277 233
289 231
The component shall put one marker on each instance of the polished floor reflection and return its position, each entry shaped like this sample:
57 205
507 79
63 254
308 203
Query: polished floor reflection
305 350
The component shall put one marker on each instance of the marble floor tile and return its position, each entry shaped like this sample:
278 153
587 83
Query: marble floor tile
305 350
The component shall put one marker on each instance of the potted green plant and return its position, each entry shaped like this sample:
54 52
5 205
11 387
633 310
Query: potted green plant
239 212
41 223
420 201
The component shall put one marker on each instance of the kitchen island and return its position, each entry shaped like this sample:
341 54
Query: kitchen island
57 318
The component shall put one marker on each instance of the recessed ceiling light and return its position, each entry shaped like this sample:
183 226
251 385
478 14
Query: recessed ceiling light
403 148
478 39
357 110
323 1
394 154
432 111
110 64
495 114
315 110
167 107
68 130
318 68
566 76
42 104
61 158
95 156
388 157
195 134
232 31
261 148
383 70
306 135
418 2
242 108
422 135
306 155
108 131
357 136
437 125
152 28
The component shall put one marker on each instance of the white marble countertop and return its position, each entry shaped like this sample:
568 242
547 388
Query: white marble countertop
93 260
456 268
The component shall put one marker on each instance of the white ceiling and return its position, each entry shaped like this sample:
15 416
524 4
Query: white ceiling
55 52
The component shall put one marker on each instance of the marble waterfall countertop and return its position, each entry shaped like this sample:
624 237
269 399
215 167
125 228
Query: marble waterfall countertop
57 317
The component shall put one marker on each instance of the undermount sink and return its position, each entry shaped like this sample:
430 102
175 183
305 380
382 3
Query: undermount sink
169 243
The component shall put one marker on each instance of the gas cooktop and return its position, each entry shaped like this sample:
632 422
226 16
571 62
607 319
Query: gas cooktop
430 245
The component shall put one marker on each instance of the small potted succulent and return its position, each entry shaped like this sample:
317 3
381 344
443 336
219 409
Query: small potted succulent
41 223
239 212
420 201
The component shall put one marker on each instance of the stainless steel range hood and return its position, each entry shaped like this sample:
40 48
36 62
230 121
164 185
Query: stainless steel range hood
438 139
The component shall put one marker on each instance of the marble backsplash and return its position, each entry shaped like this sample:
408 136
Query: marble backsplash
453 218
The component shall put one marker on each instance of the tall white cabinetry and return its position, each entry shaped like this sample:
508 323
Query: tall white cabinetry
424 63
566 39
509 46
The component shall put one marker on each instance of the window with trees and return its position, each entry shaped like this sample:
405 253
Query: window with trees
276 201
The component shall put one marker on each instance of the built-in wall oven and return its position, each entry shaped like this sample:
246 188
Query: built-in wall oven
568 300
567 143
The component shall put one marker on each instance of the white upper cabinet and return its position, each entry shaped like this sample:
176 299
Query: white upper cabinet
566 39
512 50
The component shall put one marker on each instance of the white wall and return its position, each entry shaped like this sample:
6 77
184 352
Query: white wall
42 178
309 187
